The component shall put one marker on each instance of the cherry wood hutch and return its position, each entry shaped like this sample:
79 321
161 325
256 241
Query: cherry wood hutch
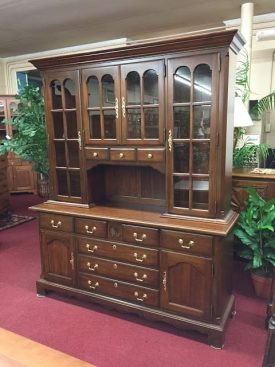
140 146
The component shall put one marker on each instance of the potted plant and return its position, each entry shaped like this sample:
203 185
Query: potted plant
256 232
29 141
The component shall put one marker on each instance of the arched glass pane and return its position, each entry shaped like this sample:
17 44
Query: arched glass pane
202 83
93 92
150 85
133 88
182 85
69 90
56 94
108 90
201 126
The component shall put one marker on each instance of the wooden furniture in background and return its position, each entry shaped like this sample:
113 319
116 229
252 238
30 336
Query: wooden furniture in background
4 192
140 215
21 178
243 178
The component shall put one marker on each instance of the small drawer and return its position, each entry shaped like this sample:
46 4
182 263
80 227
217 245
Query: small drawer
117 270
120 154
56 222
91 227
151 155
97 153
110 287
143 236
140 256
187 242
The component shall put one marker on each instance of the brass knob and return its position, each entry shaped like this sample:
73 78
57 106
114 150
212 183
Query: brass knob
115 266
150 155
180 241
95 154
121 155
114 247
115 285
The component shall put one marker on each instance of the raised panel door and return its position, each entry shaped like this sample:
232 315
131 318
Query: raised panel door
58 257
186 284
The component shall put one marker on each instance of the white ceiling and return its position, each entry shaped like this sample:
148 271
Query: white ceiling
28 26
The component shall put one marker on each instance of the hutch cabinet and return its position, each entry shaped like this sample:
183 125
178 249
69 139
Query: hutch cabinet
20 176
140 217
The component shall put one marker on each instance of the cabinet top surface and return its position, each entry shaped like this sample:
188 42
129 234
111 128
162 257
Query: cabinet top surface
196 41
219 227
250 173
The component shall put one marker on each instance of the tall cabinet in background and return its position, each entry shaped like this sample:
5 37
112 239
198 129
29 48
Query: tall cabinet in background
140 145
20 176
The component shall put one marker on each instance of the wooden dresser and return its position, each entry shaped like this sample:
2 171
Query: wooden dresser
140 150
4 192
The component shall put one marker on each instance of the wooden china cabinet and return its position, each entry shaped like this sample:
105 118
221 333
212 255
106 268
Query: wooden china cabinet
20 176
140 145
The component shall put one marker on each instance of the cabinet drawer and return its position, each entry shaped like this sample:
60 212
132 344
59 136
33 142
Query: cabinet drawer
91 227
151 155
119 154
118 270
143 236
119 289
188 242
56 221
116 251
97 153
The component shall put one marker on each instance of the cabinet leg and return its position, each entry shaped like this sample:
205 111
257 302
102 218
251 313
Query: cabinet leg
216 341
40 292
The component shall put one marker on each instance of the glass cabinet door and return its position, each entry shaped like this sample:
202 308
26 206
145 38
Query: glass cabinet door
191 135
101 105
65 136
142 103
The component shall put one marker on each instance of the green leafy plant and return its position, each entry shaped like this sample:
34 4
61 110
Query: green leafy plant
265 104
256 231
249 155
29 140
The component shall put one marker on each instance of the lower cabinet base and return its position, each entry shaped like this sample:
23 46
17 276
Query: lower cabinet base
212 334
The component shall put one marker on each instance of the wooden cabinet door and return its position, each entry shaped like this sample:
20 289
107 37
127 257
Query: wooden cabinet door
186 284
23 178
101 105
192 134
62 100
142 102
58 257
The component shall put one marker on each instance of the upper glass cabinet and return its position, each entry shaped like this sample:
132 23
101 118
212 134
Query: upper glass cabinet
123 104
191 119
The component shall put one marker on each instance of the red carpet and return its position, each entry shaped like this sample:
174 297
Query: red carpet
106 338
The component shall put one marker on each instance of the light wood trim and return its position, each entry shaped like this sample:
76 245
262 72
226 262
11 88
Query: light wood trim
17 351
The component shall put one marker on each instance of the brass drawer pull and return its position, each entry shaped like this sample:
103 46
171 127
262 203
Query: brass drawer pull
143 257
143 237
190 244
89 249
144 276
140 299
121 155
95 154
93 286
57 225
92 231
93 268
150 155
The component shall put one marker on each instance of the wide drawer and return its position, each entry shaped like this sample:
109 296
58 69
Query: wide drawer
120 154
57 222
97 153
187 242
144 236
151 155
116 251
91 227
119 289
118 270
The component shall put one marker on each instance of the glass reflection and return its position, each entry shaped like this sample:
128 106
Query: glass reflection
181 157
73 149
201 158
95 130
56 94
201 126
151 123
69 90
58 125
181 192
108 90
93 92
62 185
109 124
202 83
74 177
133 88
181 122
200 194
134 123
150 85
60 154
71 124
182 85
